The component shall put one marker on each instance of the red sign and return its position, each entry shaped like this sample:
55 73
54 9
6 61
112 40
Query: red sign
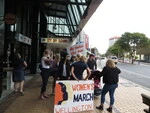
10 19
86 41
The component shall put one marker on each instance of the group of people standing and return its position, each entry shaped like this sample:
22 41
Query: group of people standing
62 67
73 68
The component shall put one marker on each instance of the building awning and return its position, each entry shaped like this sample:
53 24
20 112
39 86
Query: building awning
66 18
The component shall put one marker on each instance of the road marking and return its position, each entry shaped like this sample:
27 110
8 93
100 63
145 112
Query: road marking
136 73
144 65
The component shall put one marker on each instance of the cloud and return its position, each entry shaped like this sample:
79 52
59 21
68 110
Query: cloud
114 17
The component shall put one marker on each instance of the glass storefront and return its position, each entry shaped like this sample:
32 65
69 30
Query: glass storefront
6 83
1 26
1 45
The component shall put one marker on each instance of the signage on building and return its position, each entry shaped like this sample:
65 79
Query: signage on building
54 40
86 41
23 39
10 18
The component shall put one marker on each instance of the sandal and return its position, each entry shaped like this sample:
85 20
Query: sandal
42 97
46 96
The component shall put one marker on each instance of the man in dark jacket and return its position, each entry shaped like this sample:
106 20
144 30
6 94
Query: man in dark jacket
92 62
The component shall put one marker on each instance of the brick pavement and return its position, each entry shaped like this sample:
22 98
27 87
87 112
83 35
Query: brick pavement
127 99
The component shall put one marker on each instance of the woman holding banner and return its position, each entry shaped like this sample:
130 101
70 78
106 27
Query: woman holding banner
78 68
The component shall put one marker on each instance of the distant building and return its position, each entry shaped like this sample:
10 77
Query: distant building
112 40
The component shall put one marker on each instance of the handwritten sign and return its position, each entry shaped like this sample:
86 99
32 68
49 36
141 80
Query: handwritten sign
75 49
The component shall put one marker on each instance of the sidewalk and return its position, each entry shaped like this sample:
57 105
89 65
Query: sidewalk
127 99
136 63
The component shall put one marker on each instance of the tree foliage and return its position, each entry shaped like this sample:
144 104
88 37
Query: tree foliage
144 50
129 42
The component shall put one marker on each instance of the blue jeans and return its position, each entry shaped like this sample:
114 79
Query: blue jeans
111 89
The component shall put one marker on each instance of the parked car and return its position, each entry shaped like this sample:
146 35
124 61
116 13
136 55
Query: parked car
114 58
102 58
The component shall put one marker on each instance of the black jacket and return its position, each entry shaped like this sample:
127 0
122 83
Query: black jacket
110 75
60 68
92 64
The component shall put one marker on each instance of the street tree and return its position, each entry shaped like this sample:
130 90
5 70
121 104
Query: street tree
130 42
144 50
114 50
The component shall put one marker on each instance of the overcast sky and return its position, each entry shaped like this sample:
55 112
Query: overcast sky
114 17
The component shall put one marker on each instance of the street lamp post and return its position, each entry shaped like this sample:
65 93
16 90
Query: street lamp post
133 49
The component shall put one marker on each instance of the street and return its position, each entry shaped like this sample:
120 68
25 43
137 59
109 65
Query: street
137 73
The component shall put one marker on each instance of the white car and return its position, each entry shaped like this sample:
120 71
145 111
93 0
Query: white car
114 58
102 58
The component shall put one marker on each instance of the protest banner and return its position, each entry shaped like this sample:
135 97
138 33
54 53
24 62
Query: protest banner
77 49
73 96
